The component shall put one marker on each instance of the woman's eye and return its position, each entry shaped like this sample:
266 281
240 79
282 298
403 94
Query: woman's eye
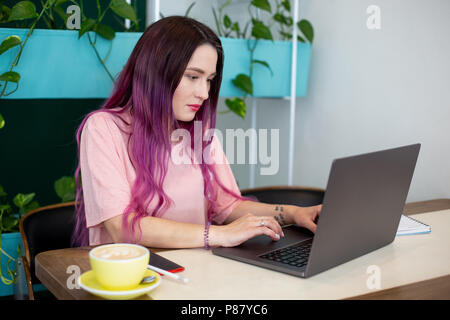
192 77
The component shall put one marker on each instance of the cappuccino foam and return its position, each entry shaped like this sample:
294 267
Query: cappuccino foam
119 252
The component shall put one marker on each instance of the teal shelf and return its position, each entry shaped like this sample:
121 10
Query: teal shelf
55 64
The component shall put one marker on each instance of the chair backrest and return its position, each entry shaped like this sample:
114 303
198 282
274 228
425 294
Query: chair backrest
47 228
293 195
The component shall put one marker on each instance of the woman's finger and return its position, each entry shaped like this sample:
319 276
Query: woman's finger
268 232
310 225
270 223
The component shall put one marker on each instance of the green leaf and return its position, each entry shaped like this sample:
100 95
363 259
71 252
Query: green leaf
279 18
261 31
264 63
65 188
307 29
286 4
105 31
21 200
237 105
9 43
4 13
23 10
4 207
10 76
282 19
262 4
31 206
9 222
123 9
86 25
2 191
227 21
243 82
2 124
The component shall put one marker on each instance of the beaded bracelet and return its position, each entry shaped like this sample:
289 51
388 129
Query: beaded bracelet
206 234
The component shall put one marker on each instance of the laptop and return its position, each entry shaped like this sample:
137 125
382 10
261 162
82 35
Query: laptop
361 211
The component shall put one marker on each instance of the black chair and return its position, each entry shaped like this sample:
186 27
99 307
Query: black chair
293 195
43 229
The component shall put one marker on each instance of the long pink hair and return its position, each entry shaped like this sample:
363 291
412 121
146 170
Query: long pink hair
145 88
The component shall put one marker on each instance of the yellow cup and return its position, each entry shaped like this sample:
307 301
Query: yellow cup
119 266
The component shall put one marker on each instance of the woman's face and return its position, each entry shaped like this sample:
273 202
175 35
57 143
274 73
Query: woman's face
194 86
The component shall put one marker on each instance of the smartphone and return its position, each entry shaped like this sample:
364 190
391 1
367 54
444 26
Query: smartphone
165 264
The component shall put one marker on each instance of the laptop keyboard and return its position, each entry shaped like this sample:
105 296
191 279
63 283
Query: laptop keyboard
296 255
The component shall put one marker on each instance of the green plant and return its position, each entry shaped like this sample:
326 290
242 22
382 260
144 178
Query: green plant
120 8
22 10
259 30
25 11
225 26
9 218
283 18
65 188
9 222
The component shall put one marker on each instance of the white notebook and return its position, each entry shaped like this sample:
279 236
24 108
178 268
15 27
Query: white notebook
409 225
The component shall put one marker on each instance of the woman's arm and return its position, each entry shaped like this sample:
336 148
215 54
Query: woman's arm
247 220
283 214
164 233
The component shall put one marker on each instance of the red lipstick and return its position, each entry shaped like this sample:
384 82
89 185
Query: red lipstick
195 107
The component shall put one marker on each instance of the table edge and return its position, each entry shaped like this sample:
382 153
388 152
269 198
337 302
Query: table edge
421 289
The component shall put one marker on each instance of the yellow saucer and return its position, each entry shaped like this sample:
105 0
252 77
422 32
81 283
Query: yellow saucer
88 282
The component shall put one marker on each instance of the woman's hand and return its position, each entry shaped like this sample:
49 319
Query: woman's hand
244 228
306 216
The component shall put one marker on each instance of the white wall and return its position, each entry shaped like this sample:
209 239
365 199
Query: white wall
368 90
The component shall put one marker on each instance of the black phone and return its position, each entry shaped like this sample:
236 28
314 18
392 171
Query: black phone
165 264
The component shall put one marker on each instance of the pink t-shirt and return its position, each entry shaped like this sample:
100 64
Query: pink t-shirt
108 176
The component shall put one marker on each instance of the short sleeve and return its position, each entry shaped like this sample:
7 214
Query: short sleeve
106 190
225 201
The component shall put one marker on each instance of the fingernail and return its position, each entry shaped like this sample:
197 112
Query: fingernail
282 233
277 236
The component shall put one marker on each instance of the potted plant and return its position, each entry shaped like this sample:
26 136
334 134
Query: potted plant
11 244
84 61
255 64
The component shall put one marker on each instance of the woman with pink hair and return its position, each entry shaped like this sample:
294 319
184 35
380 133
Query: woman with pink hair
132 189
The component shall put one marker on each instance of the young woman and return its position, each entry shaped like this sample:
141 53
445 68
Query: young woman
132 189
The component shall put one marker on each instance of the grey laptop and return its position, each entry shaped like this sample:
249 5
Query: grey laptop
362 206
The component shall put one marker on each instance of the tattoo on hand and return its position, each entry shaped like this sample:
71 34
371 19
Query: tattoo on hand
280 218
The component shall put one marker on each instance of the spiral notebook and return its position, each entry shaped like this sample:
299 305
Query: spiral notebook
409 225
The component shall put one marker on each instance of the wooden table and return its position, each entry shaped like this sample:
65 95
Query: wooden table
52 269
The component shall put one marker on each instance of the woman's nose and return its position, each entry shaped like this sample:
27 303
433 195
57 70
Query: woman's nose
203 90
